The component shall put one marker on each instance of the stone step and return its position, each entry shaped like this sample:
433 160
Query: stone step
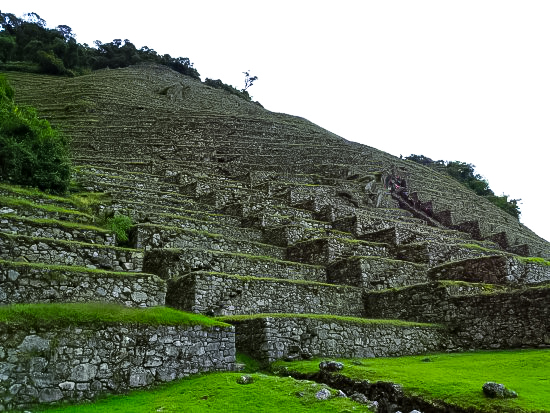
395 232
495 269
247 210
167 199
161 214
35 196
27 208
376 273
323 251
218 294
436 253
51 251
149 236
287 235
171 263
22 282
271 337
265 221
56 229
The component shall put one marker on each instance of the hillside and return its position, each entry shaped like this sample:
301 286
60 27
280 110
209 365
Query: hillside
301 243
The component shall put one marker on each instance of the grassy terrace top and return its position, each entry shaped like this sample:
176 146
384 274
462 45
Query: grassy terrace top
456 379
327 318
63 315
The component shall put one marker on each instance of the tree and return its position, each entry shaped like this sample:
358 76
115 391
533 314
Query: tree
248 80
31 152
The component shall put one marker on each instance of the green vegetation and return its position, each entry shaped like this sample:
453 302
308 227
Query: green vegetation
464 173
218 84
26 204
333 318
31 152
58 315
120 225
71 269
457 379
220 392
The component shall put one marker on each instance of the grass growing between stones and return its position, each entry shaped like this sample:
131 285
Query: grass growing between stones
59 314
328 319
457 378
220 392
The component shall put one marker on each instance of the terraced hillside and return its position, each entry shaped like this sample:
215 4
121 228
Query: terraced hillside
307 244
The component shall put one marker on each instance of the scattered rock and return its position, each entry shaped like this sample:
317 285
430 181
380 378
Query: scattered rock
246 379
331 366
341 394
323 394
498 391
359 398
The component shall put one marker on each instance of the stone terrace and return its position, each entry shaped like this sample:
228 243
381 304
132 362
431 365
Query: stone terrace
286 231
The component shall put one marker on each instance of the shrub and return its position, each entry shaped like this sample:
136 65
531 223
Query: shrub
31 151
120 225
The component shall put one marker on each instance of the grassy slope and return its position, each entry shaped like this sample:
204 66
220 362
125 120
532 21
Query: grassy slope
219 392
55 314
458 378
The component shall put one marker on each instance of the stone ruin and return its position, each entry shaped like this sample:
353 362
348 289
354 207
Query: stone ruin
307 244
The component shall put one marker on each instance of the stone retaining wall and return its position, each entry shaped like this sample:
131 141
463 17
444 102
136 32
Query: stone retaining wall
20 283
152 236
174 263
272 338
493 269
14 225
323 251
479 320
437 253
81 363
375 273
69 253
222 294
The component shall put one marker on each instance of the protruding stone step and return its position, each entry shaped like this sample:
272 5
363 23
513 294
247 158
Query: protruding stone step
496 269
221 294
149 236
50 251
41 283
270 337
171 263
323 251
376 273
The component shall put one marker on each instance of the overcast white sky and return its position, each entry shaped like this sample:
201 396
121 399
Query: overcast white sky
453 80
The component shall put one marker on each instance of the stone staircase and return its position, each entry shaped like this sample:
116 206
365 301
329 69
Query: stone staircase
285 231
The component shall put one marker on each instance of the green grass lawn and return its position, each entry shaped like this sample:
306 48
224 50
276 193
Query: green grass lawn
458 378
220 392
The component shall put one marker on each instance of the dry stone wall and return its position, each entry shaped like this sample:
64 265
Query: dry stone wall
494 269
272 338
46 251
27 283
478 319
219 294
58 364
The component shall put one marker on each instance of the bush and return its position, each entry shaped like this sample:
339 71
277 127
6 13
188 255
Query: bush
120 225
31 152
